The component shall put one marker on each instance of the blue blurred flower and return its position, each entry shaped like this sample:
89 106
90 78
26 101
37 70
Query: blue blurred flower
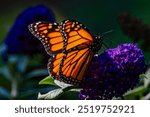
19 40
113 73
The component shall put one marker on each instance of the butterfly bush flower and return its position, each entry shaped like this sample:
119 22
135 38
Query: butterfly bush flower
113 73
19 40
136 29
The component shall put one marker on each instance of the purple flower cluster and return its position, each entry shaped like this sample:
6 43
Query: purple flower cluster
113 73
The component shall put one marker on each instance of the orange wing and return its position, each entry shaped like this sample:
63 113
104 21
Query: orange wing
54 65
76 35
70 65
74 65
49 34
71 47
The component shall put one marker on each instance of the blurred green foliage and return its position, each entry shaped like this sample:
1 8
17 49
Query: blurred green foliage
19 81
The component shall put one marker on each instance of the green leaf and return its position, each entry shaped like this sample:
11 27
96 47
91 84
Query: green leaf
69 95
5 71
62 84
4 93
136 93
59 94
143 76
48 80
22 63
32 93
147 81
36 73
51 95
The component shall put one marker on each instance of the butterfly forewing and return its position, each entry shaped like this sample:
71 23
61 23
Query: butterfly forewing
49 34
75 35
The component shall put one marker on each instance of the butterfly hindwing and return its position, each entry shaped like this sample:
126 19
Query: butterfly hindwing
54 65
49 34
74 65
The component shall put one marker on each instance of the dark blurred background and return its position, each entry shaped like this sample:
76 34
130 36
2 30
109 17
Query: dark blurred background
126 18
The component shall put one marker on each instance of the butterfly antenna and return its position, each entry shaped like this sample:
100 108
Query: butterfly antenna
104 33
113 42
105 45
106 38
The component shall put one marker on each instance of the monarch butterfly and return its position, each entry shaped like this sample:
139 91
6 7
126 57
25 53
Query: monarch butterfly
71 47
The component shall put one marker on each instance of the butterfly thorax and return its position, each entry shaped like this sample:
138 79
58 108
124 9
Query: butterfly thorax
97 44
